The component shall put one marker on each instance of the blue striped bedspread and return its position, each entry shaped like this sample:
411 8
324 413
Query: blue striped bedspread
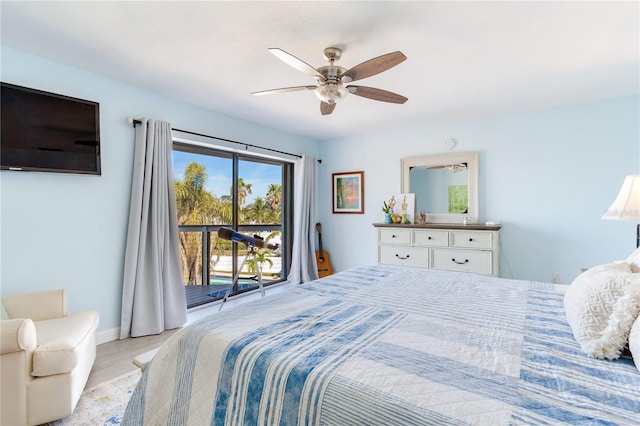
381 345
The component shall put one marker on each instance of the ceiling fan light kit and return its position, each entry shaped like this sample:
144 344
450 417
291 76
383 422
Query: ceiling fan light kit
330 79
331 93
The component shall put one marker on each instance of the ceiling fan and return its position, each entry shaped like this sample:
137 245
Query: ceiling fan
331 79
454 168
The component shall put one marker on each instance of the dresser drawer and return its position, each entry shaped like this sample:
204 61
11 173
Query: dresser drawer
470 239
394 236
428 237
476 261
403 256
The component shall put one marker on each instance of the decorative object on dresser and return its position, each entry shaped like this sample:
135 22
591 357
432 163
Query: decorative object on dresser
404 212
322 257
626 206
348 192
451 247
387 208
407 207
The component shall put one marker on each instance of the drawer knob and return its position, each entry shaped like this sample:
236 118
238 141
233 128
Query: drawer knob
428 238
470 239
393 235
459 263
402 258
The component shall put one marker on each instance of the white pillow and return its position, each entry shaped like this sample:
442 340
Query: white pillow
634 342
601 305
634 260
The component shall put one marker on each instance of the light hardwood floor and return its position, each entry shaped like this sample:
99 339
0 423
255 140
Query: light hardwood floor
115 358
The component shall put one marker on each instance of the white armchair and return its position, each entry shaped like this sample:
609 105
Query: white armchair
46 358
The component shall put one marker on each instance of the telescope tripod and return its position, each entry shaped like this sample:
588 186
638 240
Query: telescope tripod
251 254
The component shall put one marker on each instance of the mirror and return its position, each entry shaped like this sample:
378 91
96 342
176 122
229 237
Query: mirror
446 185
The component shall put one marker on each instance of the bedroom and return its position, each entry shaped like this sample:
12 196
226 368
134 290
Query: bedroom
548 172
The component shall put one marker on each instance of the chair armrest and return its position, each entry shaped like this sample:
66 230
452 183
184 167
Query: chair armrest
37 306
17 335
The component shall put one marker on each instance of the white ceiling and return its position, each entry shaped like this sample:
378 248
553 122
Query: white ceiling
465 59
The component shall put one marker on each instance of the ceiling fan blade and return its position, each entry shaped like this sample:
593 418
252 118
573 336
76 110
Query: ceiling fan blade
283 90
377 94
326 108
454 168
294 62
373 66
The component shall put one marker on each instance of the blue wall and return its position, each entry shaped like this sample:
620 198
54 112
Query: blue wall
547 175
69 231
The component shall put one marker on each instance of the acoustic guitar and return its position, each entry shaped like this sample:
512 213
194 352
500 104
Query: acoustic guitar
322 257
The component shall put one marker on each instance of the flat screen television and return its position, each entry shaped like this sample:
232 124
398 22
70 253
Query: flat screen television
47 132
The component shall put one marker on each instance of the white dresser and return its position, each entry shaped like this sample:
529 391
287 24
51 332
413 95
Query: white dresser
452 247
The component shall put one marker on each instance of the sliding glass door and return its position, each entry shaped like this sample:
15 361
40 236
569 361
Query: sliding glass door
250 195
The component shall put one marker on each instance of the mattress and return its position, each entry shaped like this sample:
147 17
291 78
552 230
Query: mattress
380 345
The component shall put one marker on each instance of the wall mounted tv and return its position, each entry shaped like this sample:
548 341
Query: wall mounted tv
47 132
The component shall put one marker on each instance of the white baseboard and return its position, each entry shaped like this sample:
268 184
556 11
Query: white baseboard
105 336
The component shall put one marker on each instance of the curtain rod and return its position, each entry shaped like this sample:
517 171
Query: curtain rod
135 122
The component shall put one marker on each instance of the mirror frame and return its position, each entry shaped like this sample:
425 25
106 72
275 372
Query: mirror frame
471 158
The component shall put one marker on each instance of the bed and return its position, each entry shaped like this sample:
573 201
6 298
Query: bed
380 345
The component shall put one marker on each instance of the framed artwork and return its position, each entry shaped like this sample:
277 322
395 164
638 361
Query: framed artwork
348 192
458 199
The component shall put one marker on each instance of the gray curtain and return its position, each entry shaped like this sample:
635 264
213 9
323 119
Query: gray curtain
303 260
153 297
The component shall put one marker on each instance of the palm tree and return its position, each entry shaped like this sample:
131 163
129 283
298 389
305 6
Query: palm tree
258 212
244 189
260 256
274 196
195 205
225 209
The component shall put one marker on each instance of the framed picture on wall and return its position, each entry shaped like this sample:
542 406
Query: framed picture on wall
348 192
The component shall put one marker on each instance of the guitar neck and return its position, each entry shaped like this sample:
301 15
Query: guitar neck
320 242
319 230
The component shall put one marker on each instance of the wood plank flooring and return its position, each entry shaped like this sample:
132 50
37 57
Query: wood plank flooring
115 358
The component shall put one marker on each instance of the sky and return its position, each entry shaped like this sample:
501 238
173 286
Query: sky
219 173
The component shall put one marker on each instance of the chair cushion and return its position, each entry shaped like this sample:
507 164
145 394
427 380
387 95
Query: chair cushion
58 341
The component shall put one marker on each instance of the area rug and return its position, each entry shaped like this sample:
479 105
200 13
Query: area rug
103 404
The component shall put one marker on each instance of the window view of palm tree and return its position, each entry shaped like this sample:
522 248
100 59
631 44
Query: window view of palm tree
208 198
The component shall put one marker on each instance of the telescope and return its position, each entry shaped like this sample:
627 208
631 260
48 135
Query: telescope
236 237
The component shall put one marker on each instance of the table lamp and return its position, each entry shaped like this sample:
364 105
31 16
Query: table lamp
627 204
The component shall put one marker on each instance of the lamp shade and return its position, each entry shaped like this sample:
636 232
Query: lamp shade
627 204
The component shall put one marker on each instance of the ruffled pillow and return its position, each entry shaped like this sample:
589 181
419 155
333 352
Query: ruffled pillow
634 342
634 260
601 305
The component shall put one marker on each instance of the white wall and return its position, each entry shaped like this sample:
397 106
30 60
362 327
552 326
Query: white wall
547 175
68 231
